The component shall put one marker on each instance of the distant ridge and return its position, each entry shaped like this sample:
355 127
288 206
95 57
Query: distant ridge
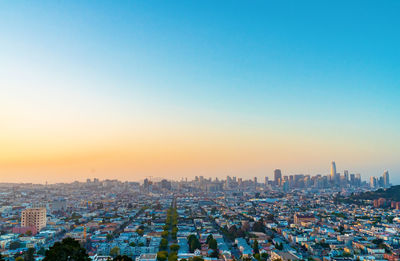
392 193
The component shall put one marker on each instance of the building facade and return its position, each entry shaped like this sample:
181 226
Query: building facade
34 217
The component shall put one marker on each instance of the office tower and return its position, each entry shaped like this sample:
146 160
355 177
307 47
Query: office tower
333 170
277 176
146 183
228 182
285 186
346 175
307 181
352 179
266 180
358 179
34 217
386 182
380 182
335 177
372 182
291 181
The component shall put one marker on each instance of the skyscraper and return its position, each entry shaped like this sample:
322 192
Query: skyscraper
277 176
386 182
346 175
372 182
333 170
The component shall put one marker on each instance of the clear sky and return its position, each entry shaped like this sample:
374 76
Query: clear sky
129 89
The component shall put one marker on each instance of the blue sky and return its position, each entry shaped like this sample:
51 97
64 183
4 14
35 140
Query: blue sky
301 70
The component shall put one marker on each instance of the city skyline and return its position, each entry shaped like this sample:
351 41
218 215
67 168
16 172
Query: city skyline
182 89
277 178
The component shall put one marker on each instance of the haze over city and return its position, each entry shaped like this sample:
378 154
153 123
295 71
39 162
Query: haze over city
208 88
165 130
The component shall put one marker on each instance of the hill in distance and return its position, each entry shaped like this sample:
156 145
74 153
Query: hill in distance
392 193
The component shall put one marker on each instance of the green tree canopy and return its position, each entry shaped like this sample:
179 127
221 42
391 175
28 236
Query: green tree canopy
209 237
122 258
213 244
194 243
114 252
255 247
140 232
162 255
174 247
67 249
172 257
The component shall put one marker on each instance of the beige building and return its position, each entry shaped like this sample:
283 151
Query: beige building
34 217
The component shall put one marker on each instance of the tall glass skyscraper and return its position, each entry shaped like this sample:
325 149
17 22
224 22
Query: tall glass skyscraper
386 182
333 170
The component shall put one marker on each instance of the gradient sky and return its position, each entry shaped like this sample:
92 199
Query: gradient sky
129 89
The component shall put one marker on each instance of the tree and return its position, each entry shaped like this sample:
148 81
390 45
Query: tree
270 217
164 244
67 249
132 244
114 252
264 256
164 234
240 233
194 243
174 231
279 246
42 251
20 258
213 244
255 247
174 247
232 231
172 257
210 236
29 254
258 226
378 241
109 237
162 255
122 258
140 232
